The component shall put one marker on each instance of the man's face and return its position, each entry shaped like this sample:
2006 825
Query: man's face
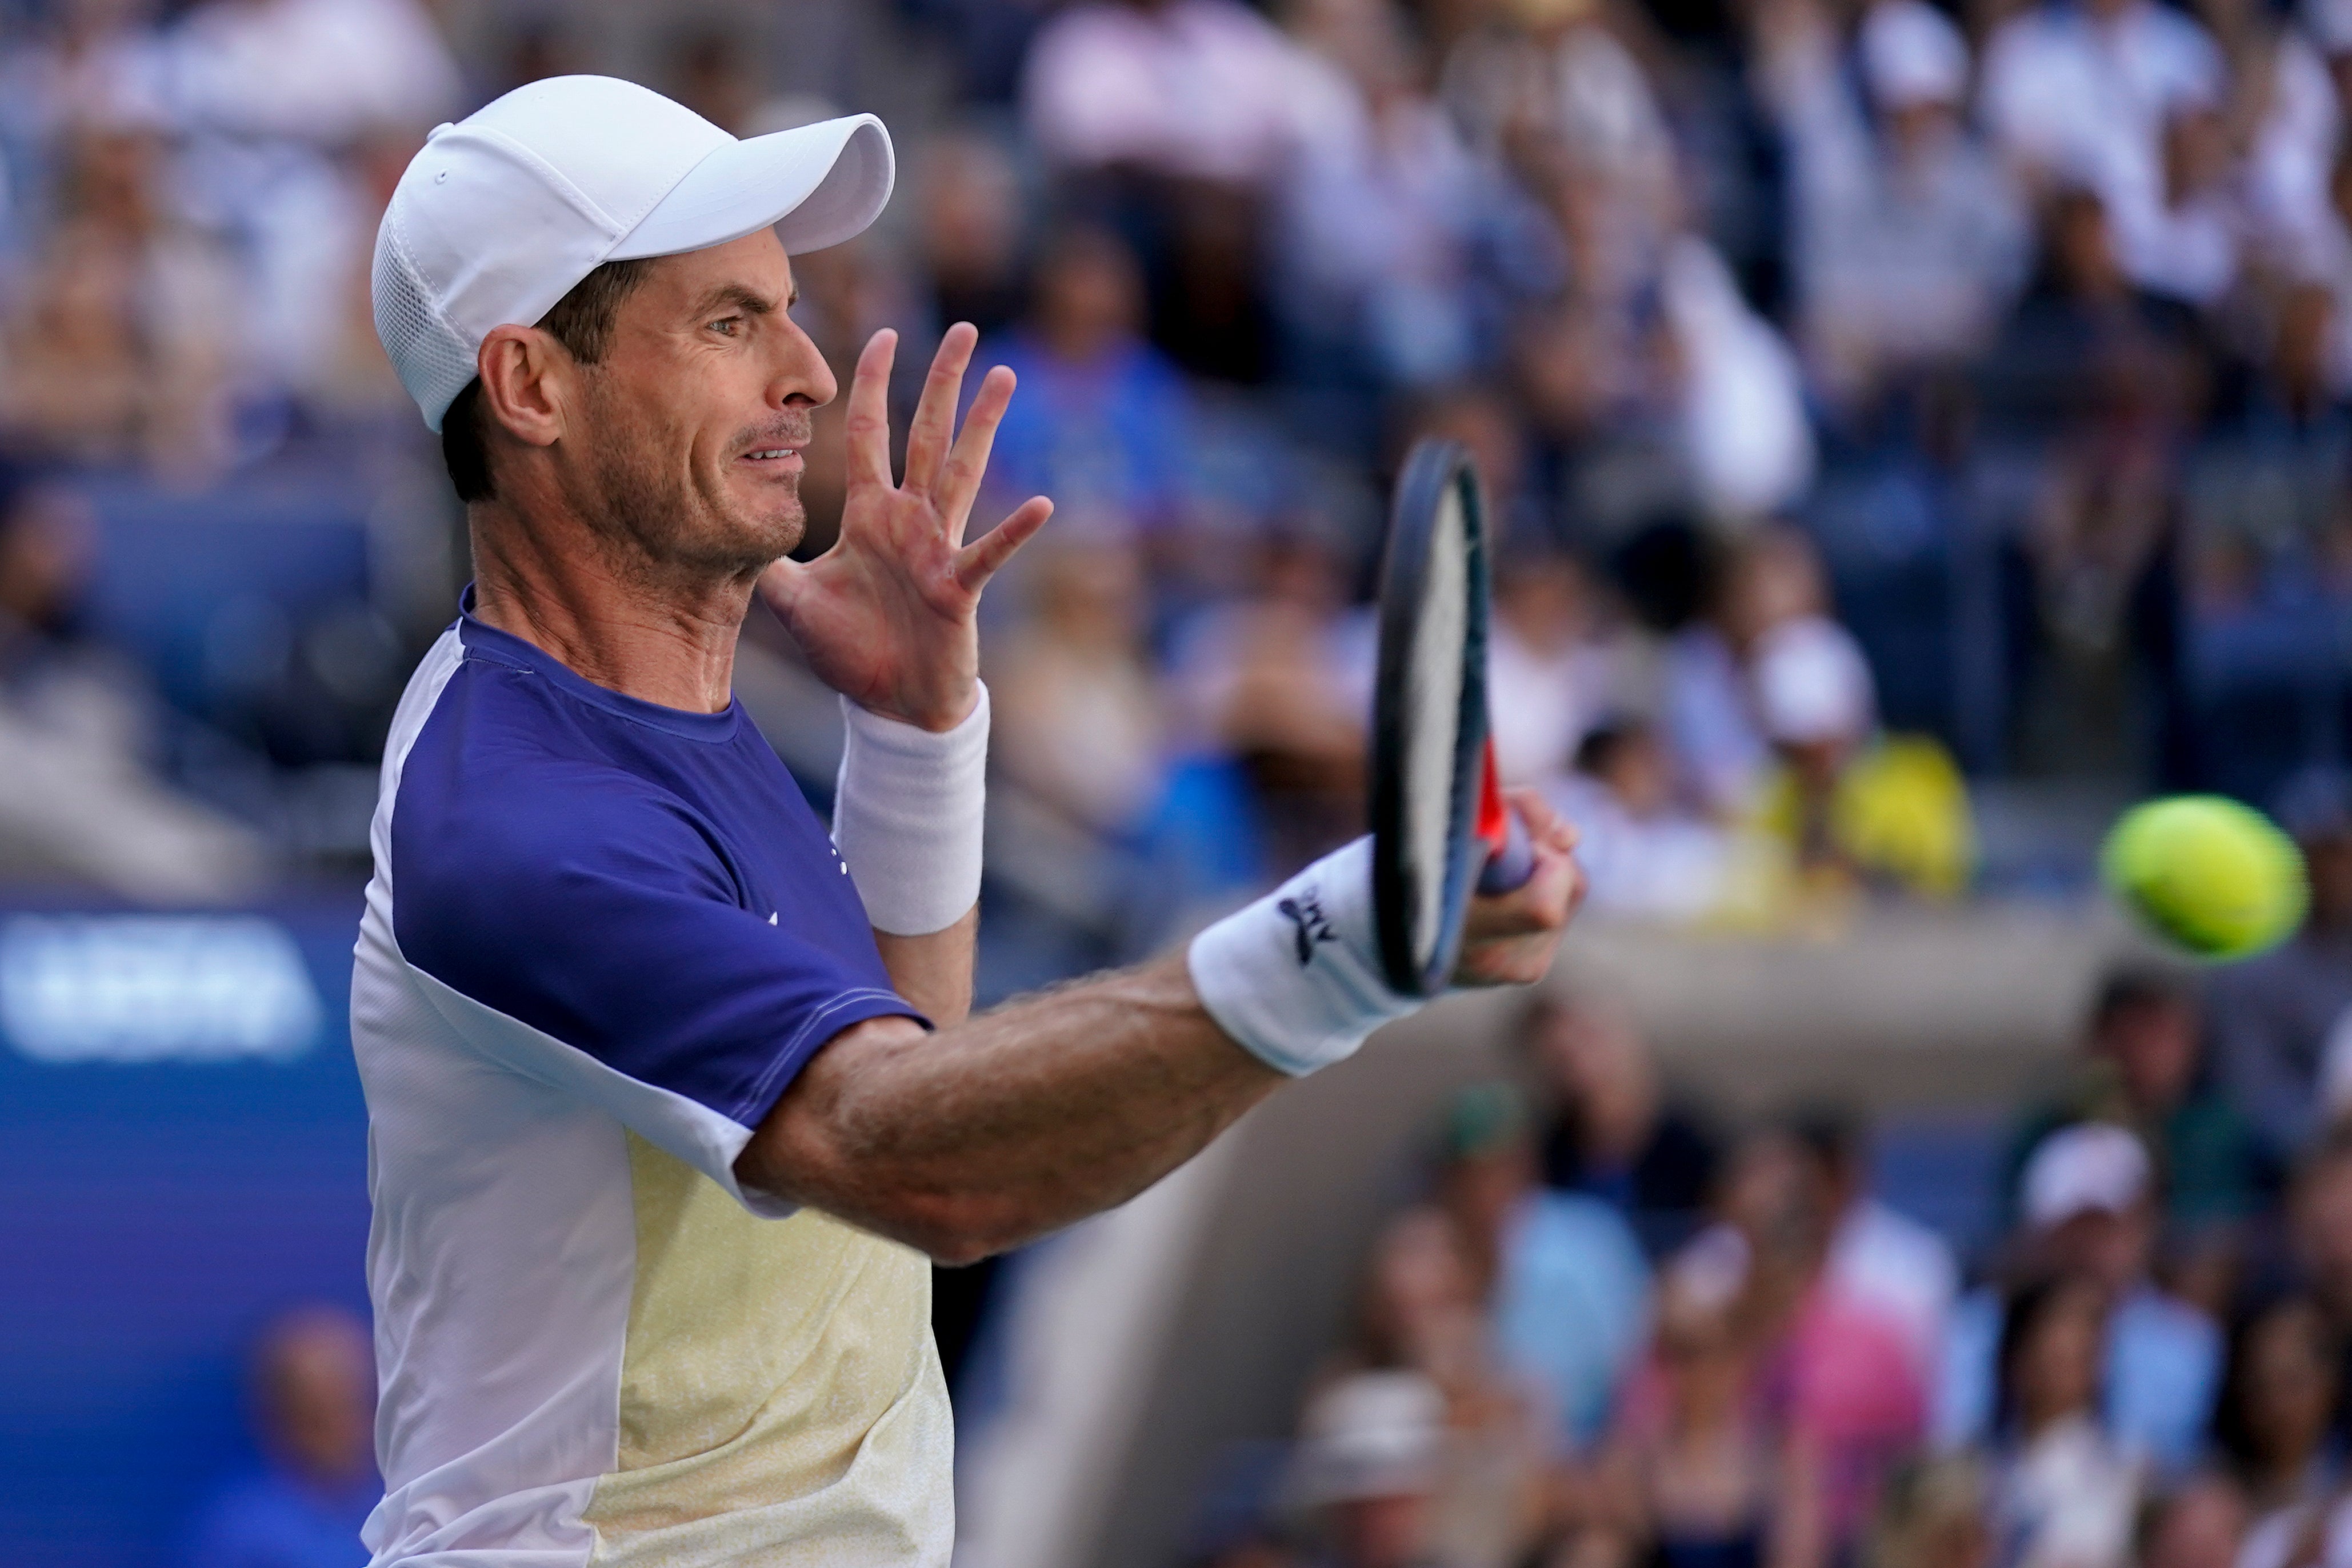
2111 1249
690 430
2154 1045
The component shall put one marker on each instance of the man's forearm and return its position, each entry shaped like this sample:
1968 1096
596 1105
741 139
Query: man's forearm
934 971
1031 1116
1056 1106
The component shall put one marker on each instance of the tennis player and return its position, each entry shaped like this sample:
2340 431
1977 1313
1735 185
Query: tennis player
673 1095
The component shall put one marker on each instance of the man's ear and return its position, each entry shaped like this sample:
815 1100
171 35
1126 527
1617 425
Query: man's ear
527 381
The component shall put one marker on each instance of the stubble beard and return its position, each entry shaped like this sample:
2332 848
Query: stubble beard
671 522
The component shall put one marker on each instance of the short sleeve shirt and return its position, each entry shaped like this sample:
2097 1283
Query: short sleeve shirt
601 938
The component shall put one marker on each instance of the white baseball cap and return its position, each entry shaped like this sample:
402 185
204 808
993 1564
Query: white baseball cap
1912 54
1370 1435
499 215
1812 683
2091 1167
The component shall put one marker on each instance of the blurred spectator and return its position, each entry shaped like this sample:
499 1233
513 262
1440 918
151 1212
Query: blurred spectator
711 73
319 72
1548 677
1615 1134
1380 214
1566 1285
343 378
2139 1069
1933 1515
1201 89
1180 116
1645 855
1369 1467
969 218
1424 1313
1103 421
1551 79
2271 1014
1711 718
1693 1477
1848 810
86 60
2200 1525
2103 378
1910 239
1741 409
1839 1370
313 1396
271 94
2194 239
81 802
1266 679
2068 1491
2273 1425
2084 323
121 345
1878 1257
2266 516
2089 1213
2082 93
1074 702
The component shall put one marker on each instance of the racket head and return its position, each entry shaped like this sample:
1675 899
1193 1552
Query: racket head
1429 718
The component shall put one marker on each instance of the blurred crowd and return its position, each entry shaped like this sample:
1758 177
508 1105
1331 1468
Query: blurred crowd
1874 402
1615 1331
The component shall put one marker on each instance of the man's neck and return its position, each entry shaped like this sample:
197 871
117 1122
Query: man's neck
627 626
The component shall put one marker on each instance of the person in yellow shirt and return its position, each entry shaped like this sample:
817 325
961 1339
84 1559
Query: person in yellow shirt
1846 810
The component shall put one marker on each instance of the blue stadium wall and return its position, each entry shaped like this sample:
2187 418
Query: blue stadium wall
182 1154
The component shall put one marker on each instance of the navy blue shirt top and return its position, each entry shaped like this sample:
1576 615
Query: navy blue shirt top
642 883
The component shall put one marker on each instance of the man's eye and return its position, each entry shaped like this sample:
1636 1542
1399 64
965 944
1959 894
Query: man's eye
730 325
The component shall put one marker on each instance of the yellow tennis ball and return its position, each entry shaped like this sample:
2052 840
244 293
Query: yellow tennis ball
2207 873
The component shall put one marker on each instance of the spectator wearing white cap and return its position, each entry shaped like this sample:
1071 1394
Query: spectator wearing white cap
1910 237
1371 1461
2141 1049
1848 809
2088 1210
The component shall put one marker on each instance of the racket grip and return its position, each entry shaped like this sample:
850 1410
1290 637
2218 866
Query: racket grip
1512 862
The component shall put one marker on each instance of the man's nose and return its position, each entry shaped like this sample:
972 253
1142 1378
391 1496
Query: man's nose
801 373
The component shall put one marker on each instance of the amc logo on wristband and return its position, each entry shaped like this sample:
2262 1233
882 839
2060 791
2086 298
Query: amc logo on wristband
1306 912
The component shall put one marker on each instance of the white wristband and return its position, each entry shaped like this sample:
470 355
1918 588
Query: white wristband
906 810
1295 978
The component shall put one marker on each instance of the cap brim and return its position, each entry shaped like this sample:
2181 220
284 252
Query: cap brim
815 184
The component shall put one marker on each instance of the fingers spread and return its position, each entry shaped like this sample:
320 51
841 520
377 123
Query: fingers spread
934 423
979 561
869 411
967 466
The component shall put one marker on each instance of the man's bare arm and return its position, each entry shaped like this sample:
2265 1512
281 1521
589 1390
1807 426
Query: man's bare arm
934 971
1034 1115
1020 1122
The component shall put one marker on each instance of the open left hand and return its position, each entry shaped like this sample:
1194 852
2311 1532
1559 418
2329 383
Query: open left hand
888 616
1509 938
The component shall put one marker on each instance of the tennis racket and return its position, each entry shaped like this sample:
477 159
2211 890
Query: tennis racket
1440 827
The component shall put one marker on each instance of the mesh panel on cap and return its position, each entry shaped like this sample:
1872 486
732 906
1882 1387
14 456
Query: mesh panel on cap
434 359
